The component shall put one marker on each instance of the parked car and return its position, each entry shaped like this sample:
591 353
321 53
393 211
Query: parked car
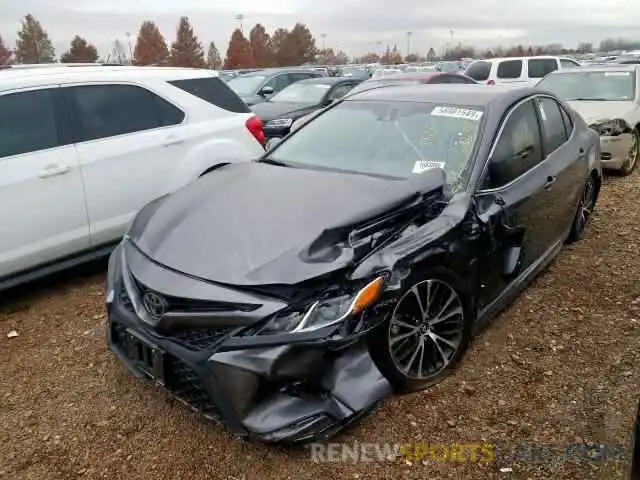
256 87
413 78
285 296
608 98
517 71
358 72
429 77
385 72
450 67
82 149
298 100
226 75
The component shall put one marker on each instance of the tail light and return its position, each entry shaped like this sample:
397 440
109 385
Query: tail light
490 82
254 125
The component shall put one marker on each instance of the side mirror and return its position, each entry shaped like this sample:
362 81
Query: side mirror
264 91
328 101
272 142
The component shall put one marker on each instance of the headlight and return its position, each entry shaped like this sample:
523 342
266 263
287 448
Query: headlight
609 127
279 123
326 312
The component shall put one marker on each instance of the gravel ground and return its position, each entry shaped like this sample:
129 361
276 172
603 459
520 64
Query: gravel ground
559 367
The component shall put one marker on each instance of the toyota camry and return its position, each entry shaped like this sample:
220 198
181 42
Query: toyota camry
287 296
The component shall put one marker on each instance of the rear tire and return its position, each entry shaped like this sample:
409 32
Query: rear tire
584 211
425 336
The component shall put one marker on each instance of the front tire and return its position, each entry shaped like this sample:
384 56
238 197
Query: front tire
633 155
427 333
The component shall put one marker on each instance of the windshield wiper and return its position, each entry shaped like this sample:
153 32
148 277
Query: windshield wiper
582 99
273 161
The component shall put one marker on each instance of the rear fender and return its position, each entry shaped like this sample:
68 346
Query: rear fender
207 156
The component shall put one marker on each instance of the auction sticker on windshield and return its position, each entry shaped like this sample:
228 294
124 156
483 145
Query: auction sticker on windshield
454 112
422 165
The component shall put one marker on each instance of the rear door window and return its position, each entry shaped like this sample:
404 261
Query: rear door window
479 71
509 69
553 129
539 67
214 91
109 110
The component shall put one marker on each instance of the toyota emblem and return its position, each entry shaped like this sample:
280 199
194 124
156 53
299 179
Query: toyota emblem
155 305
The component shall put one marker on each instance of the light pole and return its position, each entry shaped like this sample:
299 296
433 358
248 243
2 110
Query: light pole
240 18
409 43
324 38
128 34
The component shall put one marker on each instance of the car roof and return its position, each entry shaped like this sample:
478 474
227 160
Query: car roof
275 71
462 94
607 67
29 77
535 57
326 80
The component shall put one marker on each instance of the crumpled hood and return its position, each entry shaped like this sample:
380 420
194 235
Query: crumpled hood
595 111
272 110
257 224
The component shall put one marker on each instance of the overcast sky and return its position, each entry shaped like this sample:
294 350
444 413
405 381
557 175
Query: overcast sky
355 26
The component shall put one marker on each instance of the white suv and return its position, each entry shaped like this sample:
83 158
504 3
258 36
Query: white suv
517 71
83 149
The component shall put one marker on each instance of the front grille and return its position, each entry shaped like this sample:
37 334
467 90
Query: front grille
190 305
199 338
183 382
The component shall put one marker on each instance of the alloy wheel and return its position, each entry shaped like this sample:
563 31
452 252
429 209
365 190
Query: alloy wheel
587 202
426 329
633 154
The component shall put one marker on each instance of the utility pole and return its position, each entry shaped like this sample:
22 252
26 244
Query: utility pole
409 43
240 18
324 38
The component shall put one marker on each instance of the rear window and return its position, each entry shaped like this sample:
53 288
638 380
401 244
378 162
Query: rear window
510 69
479 71
214 91
539 67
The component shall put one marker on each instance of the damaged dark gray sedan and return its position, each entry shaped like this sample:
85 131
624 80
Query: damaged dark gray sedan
286 297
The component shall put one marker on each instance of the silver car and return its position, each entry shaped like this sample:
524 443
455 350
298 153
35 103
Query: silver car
608 98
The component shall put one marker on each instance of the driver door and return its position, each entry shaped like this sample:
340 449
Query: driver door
514 203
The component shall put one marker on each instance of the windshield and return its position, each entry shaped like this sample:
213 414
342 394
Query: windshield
596 86
302 92
378 83
390 139
246 85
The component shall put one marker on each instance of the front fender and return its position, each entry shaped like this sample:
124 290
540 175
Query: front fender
439 237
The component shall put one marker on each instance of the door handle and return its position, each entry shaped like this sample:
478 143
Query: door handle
53 170
550 181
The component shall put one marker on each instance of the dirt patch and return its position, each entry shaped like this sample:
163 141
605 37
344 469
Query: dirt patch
560 366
